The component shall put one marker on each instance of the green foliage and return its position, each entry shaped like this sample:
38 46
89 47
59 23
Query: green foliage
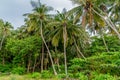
61 76
21 49
98 46
18 70
46 74
103 63
81 76
104 77
36 75
5 68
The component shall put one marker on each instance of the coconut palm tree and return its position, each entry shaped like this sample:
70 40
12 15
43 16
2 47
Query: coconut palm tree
87 10
62 29
5 31
37 21
5 28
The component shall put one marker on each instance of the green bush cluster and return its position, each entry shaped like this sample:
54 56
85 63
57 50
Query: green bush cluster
36 75
18 70
105 63
46 74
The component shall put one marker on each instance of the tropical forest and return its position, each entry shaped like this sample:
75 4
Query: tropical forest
82 43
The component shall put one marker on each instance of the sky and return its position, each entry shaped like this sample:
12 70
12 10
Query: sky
13 10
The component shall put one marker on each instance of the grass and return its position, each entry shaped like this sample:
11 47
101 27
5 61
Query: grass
22 77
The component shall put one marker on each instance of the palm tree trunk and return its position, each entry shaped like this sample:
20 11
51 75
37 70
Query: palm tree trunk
109 22
78 49
1 44
29 64
3 60
47 49
64 37
34 63
57 60
42 56
104 41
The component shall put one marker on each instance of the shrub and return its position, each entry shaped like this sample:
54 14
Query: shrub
35 75
81 76
5 68
61 75
46 74
104 77
18 70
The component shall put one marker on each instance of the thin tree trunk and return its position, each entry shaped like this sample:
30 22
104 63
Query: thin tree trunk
47 49
34 63
109 22
104 41
3 60
57 60
1 44
64 37
78 49
42 57
29 64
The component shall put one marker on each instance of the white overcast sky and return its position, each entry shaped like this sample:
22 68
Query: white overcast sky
13 10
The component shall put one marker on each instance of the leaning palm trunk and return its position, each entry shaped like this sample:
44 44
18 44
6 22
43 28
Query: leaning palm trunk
109 22
2 42
42 56
78 49
48 50
104 41
65 59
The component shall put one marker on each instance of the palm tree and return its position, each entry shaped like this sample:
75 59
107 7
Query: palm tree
62 30
87 9
37 21
5 30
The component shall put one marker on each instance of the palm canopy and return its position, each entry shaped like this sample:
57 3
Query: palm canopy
40 13
5 30
56 29
91 12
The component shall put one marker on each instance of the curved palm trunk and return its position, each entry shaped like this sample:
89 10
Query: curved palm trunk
109 22
57 60
2 42
64 37
104 41
78 49
47 49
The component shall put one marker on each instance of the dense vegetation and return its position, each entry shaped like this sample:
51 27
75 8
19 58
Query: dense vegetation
82 43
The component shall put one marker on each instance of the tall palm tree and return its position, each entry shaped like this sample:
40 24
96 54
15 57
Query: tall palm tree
62 29
37 21
5 31
87 9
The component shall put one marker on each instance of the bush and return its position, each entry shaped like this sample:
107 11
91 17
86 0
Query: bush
18 70
35 75
109 68
46 74
61 75
104 77
5 68
81 76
